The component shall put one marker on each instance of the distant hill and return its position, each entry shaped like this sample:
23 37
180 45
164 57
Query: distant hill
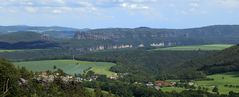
25 40
20 37
28 45
135 37
40 29
169 37
53 31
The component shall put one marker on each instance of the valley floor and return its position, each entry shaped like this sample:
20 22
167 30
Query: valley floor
197 47
225 82
68 66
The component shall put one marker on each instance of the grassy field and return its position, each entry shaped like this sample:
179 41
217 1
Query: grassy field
170 89
8 51
220 80
197 47
68 66
92 90
17 50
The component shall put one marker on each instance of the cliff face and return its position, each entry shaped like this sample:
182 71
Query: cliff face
111 34
93 36
158 37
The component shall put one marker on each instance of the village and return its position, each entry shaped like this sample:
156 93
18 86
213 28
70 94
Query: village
48 77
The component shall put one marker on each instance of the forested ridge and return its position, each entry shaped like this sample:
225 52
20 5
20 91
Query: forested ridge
223 61
110 37
143 64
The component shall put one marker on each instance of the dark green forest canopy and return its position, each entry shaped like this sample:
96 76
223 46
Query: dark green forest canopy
223 61
138 62
146 64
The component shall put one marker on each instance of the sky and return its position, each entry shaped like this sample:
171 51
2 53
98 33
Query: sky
119 13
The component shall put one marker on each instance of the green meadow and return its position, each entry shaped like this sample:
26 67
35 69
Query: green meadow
219 80
170 89
196 47
68 66
8 51
17 50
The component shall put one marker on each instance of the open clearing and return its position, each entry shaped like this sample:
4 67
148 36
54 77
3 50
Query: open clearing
68 66
17 50
170 89
220 80
8 51
197 47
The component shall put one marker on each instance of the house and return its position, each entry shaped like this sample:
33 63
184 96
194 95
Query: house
113 77
190 83
163 84
141 45
149 84
22 81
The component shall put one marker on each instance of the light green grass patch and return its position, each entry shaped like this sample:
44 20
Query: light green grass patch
68 66
8 51
92 90
17 50
220 80
196 47
170 89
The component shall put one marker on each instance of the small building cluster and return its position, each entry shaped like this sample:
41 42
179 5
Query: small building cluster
158 84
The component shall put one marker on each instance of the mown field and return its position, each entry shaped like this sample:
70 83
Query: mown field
8 51
68 66
17 50
170 89
197 47
220 81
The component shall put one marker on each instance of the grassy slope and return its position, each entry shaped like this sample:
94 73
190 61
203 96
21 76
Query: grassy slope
17 50
8 51
220 80
197 47
231 78
170 89
68 66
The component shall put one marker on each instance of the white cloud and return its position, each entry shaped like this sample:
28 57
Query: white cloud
194 7
27 3
194 4
61 1
57 11
134 6
87 5
31 9
229 3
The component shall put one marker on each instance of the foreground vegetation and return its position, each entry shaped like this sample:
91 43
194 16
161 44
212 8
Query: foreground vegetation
21 83
18 82
68 66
